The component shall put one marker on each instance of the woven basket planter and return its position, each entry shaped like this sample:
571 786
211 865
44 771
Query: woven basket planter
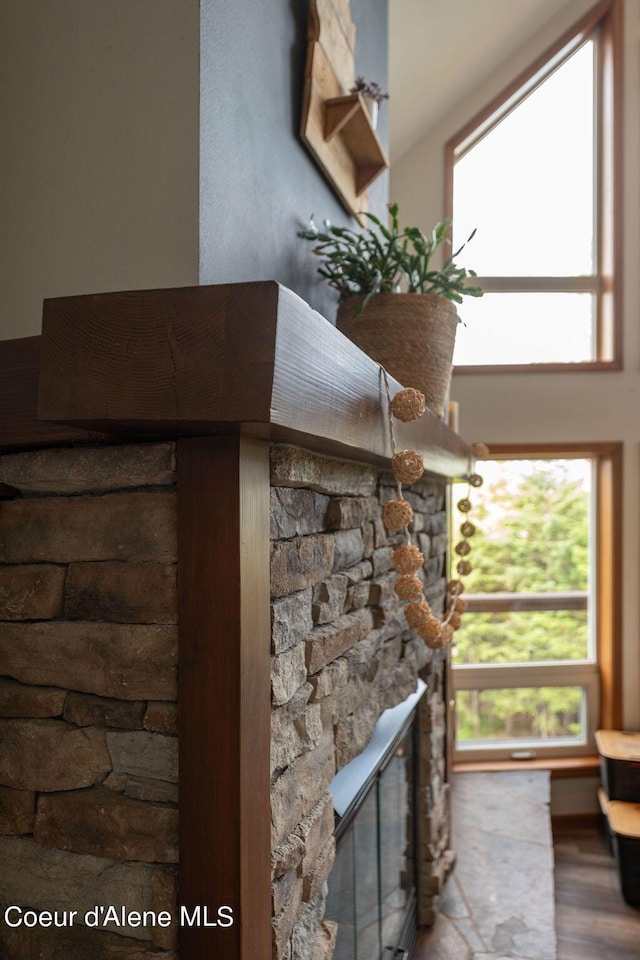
411 334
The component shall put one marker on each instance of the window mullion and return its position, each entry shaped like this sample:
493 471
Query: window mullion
489 676
525 602
585 284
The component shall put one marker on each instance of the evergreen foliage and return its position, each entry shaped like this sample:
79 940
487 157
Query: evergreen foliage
532 536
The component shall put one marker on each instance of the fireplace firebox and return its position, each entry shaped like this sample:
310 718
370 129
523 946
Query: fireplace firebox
372 887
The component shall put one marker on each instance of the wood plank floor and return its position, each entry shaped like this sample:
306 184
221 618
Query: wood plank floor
593 921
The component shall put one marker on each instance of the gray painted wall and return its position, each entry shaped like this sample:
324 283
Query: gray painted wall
258 182
99 106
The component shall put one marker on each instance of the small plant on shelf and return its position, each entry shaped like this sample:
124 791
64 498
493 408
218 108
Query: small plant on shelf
373 95
369 90
380 259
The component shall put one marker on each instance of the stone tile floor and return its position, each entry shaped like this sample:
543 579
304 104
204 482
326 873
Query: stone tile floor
499 903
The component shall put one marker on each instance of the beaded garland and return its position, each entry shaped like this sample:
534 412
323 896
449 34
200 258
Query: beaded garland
407 558
397 514
408 466
408 405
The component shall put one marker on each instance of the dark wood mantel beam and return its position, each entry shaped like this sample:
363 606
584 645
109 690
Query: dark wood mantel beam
248 358
19 425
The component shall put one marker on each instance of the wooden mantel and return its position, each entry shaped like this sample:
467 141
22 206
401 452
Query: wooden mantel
249 358
224 370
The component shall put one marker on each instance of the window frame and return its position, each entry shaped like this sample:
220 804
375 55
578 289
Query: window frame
602 678
605 22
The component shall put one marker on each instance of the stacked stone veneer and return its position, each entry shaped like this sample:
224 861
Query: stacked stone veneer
342 653
88 655
88 659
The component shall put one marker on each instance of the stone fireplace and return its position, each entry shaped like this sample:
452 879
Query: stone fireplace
342 654
175 465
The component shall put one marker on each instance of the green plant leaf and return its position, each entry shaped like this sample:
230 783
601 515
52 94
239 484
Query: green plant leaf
385 259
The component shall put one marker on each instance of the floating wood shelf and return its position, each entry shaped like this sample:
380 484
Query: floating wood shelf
336 126
349 118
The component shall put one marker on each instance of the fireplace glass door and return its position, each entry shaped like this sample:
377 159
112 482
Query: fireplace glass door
372 884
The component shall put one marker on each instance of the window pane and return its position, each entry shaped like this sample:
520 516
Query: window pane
526 713
522 637
528 185
526 328
532 527
532 520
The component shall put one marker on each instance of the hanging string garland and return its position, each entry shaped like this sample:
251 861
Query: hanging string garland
408 405
407 558
407 466
397 514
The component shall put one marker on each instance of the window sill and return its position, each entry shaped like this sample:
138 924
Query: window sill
560 767
588 366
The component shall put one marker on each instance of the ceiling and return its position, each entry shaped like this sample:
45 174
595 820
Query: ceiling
440 50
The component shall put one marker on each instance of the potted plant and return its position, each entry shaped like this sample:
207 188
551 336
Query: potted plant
394 303
373 96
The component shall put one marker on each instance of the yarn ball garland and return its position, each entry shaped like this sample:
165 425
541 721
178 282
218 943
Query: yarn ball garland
418 615
408 587
447 633
407 466
407 558
435 643
408 405
435 634
397 514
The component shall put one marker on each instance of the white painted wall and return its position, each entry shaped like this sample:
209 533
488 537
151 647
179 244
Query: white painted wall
557 407
99 105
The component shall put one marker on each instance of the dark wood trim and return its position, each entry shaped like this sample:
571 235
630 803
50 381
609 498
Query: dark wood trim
249 358
224 693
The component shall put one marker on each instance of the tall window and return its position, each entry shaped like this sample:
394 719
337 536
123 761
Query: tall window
537 640
534 173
